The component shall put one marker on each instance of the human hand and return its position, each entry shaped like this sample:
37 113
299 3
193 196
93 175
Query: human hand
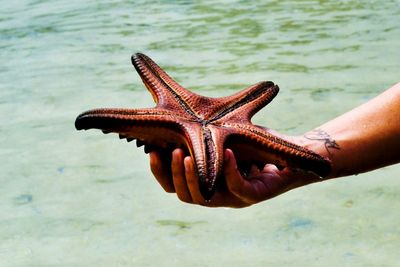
178 175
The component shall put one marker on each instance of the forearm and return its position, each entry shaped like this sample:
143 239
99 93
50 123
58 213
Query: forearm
363 139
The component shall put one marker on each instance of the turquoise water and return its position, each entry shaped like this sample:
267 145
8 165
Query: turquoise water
73 198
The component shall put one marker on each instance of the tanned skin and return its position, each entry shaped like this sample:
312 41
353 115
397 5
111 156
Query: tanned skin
361 140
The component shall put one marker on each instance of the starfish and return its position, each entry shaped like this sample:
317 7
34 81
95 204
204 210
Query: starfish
203 127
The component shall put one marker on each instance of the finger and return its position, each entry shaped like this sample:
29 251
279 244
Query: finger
238 186
161 171
178 176
193 181
270 168
278 181
251 190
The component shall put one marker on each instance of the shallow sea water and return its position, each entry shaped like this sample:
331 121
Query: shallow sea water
71 198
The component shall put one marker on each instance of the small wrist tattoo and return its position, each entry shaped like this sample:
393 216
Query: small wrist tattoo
322 136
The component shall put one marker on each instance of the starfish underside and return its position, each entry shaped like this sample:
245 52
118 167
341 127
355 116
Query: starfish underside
203 127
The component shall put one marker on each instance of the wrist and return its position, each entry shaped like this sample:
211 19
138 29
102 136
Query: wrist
323 144
315 143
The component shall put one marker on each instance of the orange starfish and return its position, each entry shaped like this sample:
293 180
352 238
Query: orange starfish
203 126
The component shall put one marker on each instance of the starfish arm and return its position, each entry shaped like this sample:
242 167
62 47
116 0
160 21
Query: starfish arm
166 92
254 144
206 148
242 106
155 127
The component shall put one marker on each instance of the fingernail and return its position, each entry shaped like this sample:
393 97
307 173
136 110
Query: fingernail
186 163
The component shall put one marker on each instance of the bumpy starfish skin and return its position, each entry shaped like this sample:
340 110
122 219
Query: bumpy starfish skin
203 126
